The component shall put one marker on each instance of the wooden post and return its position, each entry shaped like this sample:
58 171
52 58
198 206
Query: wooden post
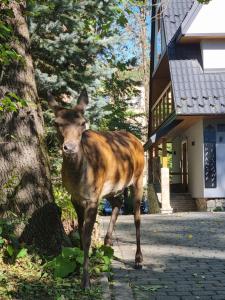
165 181
150 165
164 154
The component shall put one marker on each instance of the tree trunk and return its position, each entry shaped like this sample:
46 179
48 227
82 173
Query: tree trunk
25 186
143 42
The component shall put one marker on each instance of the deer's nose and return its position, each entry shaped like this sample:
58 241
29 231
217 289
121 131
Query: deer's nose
70 147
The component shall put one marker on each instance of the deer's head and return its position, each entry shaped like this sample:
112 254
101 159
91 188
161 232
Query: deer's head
70 123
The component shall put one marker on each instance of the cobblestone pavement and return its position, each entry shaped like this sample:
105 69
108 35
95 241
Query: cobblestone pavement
184 257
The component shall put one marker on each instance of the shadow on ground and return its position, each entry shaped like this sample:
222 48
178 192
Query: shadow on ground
184 257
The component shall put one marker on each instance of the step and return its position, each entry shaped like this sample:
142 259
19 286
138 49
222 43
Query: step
182 202
180 196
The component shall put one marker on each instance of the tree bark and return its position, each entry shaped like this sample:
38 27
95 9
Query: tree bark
25 185
143 44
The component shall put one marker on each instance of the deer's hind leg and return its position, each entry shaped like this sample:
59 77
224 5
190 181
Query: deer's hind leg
116 203
137 191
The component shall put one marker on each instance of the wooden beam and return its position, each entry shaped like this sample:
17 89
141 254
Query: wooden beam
164 154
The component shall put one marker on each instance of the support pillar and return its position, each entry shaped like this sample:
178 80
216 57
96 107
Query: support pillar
165 182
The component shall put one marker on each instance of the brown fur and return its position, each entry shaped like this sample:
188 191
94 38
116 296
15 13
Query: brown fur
96 165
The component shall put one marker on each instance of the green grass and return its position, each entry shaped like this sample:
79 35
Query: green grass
25 274
28 279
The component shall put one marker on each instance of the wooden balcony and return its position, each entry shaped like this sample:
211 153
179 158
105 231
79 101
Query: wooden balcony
162 108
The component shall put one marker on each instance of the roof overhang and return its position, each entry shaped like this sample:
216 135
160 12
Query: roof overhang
190 18
197 38
162 131
187 36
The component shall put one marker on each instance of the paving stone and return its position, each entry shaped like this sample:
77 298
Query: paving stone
188 298
180 293
175 265
168 297
203 293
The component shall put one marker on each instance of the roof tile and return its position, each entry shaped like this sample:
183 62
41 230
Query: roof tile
195 91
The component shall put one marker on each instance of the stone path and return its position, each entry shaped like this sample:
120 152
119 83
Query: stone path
184 257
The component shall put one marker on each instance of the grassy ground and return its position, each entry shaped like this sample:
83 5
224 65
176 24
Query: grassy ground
27 279
25 274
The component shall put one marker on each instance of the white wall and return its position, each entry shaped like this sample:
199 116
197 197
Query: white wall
213 55
195 152
194 136
219 191
210 19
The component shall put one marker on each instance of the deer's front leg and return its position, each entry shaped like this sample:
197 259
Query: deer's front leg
80 216
89 220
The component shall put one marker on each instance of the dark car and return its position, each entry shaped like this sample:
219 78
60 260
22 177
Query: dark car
144 207
107 208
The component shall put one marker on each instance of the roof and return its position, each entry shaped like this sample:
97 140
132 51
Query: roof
195 92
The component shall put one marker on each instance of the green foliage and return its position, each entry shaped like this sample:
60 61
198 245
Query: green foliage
71 260
72 46
218 209
26 278
15 253
8 55
71 42
63 200
9 244
6 233
67 262
204 1
100 260
26 275
150 288
118 112
12 103
22 253
2 241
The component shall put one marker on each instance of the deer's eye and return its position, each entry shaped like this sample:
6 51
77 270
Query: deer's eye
83 123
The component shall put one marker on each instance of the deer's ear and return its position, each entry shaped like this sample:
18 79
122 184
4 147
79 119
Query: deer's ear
52 103
83 99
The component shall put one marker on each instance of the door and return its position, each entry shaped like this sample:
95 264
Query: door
184 165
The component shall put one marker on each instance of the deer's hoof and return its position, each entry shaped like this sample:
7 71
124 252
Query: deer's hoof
108 242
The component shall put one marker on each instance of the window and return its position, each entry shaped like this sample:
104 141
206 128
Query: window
213 55
160 43
221 127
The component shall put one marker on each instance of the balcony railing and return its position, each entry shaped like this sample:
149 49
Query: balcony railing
163 107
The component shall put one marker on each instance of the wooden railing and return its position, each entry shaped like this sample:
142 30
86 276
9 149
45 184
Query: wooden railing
163 107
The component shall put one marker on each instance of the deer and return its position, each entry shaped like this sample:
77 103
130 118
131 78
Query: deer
97 164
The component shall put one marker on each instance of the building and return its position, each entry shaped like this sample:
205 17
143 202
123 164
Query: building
187 104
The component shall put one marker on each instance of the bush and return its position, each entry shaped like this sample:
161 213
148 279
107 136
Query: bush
63 200
71 260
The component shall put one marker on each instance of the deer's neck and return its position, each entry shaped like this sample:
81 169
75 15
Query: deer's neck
73 168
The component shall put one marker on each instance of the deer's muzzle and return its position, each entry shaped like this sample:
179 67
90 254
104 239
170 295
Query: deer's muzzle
70 148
